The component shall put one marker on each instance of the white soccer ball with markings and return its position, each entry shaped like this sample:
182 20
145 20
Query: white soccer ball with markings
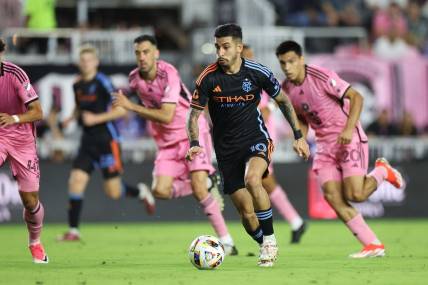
206 252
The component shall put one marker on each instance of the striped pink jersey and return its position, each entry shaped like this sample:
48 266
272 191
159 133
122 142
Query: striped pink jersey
320 101
166 88
16 93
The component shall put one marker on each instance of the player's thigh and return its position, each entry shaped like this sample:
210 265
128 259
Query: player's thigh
113 187
24 164
259 158
353 187
78 181
243 202
254 170
162 185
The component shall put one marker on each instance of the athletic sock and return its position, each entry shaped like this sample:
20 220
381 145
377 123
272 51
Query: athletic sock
130 191
266 221
34 221
213 212
362 231
257 235
75 204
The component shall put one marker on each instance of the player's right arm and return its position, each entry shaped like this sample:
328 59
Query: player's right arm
199 101
34 113
164 114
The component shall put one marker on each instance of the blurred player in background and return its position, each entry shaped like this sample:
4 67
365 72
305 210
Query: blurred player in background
19 108
232 88
277 195
332 108
99 145
166 104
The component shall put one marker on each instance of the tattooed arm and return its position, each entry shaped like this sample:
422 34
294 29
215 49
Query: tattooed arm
193 133
287 109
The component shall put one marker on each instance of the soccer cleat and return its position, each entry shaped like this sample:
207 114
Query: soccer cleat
296 235
69 236
216 187
230 249
147 198
394 176
371 250
268 254
38 253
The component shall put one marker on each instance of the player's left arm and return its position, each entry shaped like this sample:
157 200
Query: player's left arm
356 106
34 113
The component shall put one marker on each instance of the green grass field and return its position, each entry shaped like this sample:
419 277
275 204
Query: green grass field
157 254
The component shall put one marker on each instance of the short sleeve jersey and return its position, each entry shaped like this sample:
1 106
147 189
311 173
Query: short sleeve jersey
16 92
166 88
320 101
95 96
233 104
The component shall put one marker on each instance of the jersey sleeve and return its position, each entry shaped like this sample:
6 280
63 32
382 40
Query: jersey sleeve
336 86
23 87
201 94
172 88
107 85
269 83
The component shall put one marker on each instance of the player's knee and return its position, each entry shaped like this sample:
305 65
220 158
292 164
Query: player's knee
76 181
115 194
253 181
29 202
354 196
162 192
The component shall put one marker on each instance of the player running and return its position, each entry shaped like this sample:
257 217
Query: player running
331 107
19 108
232 88
277 195
166 104
99 144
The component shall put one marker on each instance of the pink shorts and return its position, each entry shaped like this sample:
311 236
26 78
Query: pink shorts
334 162
171 161
23 162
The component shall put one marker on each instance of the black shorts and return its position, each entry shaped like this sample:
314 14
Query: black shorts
99 153
233 170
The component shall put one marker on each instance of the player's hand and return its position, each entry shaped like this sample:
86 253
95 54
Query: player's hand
67 122
6 120
192 152
345 137
301 147
89 119
120 100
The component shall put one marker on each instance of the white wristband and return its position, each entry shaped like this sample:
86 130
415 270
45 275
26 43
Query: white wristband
15 118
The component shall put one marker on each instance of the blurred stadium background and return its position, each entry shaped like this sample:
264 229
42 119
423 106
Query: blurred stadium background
380 46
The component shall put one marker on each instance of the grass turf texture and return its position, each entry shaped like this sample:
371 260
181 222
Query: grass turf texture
157 254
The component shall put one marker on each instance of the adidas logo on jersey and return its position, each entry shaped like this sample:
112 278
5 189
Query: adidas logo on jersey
217 89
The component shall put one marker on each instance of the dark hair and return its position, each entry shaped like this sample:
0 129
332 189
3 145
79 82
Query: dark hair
146 38
287 46
246 46
2 45
228 30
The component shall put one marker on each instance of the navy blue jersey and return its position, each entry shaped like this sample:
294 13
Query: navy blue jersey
232 103
95 96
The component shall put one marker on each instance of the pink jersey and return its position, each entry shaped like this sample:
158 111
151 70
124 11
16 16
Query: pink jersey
320 101
166 88
15 93
270 121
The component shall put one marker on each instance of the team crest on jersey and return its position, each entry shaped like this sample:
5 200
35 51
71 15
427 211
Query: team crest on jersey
27 86
246 85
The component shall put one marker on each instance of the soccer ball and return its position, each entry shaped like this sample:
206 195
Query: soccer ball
206 252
